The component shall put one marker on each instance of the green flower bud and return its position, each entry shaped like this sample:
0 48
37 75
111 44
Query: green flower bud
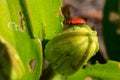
71 49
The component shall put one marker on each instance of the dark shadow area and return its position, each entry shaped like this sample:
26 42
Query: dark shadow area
5 63
26 17
44 42
112 39
98 58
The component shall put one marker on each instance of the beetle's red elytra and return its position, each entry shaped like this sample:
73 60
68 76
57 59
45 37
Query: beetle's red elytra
77 21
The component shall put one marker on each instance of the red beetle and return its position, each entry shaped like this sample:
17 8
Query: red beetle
77 21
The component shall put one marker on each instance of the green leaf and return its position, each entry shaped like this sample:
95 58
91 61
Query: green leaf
10 61
23 24
108 71
45 17
16 32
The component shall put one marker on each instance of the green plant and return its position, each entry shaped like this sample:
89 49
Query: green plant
70 50
25 28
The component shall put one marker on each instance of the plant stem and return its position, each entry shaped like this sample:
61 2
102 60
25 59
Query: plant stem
48 74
